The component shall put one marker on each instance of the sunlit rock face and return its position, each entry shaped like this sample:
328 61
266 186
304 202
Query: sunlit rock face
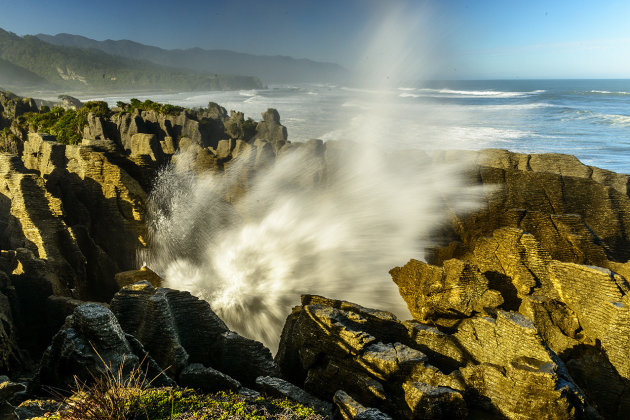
491 366
551 244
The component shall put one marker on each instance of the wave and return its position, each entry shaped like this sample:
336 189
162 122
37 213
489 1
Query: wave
608 92
251 99
504 107
409 95
602 119
247 92
481 93
616 119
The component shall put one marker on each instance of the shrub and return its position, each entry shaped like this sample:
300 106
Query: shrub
66 125
149 105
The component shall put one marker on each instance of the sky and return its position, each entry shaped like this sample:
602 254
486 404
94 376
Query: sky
451 39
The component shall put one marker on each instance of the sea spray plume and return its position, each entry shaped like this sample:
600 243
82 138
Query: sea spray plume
328 219
331 222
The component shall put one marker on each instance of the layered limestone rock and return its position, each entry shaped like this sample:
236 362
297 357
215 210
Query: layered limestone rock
91 218
578 213
329 345
91 342
12 106
271 130
552 241
72 216
500 366
178 329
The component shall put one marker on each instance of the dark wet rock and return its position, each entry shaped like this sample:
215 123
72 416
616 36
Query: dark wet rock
276 387
36 408
178 329
206 379
58 308
11 356
249 393
8 389
90 342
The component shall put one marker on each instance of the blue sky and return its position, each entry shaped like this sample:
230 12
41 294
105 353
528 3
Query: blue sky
459 39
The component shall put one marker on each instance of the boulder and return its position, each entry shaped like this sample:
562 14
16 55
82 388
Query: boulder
327 345
206 379
8 389
178 329
493 365
276 387
91 343
445 295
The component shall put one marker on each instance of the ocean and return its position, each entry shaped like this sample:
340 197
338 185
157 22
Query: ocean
587 118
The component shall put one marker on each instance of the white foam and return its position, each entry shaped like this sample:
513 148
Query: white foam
252 92
607 92
617 119
481 93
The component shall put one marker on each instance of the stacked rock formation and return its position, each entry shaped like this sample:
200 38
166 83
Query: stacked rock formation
521 311
73 216
549 251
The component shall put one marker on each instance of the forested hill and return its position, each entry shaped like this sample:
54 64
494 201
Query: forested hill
269 69
29 61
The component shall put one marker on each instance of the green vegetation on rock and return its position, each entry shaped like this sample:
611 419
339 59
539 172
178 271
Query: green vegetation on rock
149 105
66 125
181 403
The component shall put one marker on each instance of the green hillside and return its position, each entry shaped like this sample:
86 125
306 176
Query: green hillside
12 75
270 69
90 69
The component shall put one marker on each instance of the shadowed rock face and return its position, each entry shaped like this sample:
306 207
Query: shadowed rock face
90 342
72 216
178 329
